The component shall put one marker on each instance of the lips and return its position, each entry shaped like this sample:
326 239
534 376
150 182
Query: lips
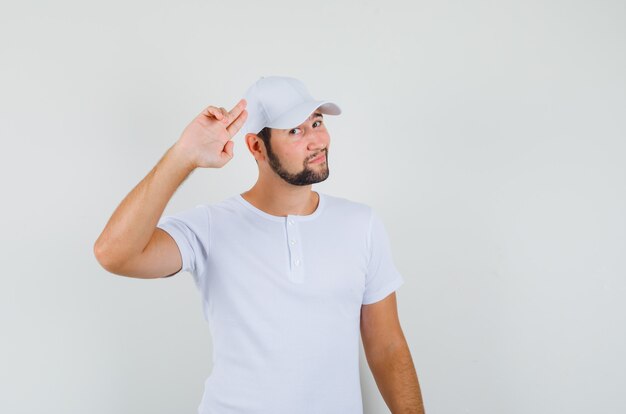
320 158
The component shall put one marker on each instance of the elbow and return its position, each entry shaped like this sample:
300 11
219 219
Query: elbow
104 258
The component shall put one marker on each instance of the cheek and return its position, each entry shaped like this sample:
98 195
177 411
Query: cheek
326 139
291 155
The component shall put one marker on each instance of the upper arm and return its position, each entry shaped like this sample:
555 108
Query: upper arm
382 277
160 258
380 327
180 242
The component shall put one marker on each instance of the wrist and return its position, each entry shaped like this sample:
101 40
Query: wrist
182 157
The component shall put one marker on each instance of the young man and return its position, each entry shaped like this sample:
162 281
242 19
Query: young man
288 276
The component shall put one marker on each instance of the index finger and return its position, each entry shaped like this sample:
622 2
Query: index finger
234 113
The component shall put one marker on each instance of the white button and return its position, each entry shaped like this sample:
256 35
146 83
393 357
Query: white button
290 221
297 262
293 241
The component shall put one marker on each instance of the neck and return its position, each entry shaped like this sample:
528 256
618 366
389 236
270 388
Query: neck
282 200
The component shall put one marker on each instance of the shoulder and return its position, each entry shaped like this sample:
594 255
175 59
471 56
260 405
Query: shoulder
347 209
344 203
190 215
226 206
202 213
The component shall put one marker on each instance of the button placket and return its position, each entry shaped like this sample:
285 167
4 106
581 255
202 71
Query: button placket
296 273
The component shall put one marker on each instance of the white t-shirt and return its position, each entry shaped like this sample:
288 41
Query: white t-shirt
282 297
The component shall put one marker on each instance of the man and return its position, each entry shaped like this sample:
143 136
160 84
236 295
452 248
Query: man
288 276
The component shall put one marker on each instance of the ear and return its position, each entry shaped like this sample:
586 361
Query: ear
255 145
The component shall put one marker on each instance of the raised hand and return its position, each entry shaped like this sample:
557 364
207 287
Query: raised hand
206 141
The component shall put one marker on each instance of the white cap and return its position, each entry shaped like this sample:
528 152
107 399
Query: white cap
281 102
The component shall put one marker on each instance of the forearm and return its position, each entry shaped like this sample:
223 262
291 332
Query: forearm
132 224
397 381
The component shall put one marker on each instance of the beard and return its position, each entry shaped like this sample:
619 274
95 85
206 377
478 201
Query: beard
306 176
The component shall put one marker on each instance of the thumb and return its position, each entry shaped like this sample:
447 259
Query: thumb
228 149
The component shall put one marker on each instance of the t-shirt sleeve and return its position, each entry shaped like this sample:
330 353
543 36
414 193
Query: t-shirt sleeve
190 230
382 276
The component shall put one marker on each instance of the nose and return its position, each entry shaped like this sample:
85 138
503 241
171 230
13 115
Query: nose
318 140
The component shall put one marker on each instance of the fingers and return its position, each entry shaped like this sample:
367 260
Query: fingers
236 111
214 111
225 115
221 113
232 118
237 123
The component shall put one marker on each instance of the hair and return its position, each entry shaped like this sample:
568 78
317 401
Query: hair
265 134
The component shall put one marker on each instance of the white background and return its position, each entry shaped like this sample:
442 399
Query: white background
489 136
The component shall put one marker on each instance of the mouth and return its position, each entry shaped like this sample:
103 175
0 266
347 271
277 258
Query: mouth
319 159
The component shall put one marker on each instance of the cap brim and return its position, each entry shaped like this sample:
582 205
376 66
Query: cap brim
300 113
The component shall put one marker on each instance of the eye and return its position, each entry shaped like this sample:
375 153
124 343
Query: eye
295 129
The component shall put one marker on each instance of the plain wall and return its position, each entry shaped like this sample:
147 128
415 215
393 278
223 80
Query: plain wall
489 136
